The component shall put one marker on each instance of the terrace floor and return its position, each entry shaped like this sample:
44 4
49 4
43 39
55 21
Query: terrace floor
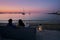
45 35
48 35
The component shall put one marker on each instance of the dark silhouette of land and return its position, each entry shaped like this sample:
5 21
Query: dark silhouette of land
56 13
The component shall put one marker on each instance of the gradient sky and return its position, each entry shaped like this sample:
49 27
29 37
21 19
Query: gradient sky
29 5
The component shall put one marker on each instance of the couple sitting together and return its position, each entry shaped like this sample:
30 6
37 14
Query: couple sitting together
20 24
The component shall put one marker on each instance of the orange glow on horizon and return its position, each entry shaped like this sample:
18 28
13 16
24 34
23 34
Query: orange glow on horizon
17 9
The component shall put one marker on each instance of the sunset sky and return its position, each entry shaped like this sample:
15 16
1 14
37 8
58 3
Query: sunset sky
29 5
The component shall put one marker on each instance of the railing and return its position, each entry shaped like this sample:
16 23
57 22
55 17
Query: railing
35 23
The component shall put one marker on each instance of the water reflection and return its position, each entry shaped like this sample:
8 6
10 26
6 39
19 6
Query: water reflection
33 16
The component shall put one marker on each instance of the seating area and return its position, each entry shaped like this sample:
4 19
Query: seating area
18 33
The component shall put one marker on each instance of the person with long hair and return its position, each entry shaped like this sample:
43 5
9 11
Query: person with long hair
21 24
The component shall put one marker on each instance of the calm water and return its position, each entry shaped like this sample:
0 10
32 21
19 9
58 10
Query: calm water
32 16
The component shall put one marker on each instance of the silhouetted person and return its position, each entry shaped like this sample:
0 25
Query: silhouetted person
21 24
8 29
10 24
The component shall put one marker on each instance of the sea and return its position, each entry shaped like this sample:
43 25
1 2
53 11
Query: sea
35 17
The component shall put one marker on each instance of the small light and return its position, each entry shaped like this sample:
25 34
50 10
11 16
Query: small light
40 28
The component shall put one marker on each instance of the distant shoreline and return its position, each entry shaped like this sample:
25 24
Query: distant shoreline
33 21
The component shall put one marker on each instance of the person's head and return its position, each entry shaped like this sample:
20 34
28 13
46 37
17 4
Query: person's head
20 22
10 21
